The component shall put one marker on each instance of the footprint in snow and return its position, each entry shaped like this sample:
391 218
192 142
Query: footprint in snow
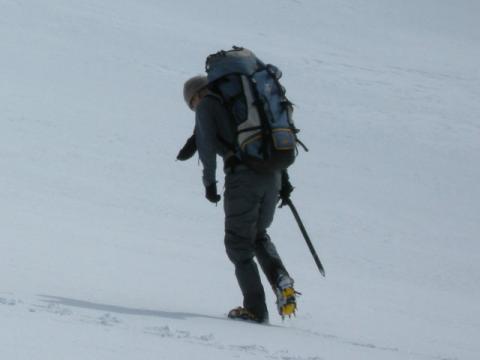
108 320
8 302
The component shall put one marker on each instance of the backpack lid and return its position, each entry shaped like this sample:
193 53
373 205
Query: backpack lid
236 61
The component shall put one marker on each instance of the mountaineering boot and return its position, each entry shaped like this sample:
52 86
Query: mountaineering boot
286 302
240 313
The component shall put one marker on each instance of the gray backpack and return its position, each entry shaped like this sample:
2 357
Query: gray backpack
266 138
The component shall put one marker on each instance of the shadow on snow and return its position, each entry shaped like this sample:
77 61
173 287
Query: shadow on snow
57 300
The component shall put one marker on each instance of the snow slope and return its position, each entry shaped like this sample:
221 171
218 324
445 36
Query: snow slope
108 249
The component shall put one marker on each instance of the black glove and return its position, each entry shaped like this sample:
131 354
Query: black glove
188 150
286 188
211 193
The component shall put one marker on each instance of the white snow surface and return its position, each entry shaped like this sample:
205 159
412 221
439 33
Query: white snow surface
108 249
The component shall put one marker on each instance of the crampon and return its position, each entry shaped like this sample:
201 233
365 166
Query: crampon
286 297
240 313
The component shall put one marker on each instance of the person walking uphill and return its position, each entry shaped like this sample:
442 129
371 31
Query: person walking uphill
250 200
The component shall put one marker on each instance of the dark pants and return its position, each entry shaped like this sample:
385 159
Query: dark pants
250 200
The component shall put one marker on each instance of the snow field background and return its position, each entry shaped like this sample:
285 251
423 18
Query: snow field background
108 248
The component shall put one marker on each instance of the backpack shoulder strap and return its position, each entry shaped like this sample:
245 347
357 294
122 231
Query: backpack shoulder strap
214 95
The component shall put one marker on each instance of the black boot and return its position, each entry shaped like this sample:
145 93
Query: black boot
240 313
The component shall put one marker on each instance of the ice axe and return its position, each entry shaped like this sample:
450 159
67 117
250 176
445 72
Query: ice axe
288 202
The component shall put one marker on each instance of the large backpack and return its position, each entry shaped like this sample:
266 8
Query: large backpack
266 138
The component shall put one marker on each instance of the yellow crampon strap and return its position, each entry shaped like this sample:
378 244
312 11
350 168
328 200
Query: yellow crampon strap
290 306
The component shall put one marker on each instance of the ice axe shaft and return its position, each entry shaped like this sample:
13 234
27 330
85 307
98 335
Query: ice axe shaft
305 235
